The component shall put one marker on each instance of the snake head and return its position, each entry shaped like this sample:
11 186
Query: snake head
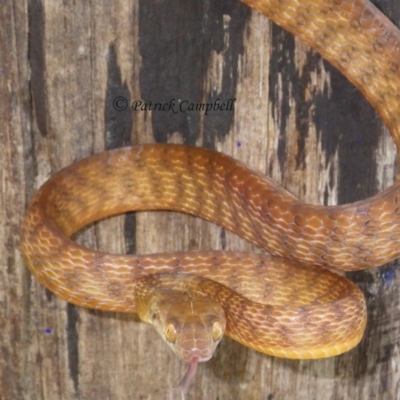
192 326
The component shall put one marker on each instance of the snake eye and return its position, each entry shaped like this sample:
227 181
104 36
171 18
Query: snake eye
217 331
170 333
154 316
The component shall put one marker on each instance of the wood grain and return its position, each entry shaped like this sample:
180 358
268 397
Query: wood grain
61 67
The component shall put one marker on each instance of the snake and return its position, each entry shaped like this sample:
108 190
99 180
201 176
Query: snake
286 301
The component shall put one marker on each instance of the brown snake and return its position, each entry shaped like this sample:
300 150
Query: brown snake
274 305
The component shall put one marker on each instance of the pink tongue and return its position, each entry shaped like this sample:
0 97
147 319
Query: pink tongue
188 378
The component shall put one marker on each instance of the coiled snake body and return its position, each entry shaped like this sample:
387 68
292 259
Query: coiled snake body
272 304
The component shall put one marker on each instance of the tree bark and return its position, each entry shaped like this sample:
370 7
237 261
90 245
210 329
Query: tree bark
295 118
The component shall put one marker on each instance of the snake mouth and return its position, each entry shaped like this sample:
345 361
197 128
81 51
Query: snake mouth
191 349
199 354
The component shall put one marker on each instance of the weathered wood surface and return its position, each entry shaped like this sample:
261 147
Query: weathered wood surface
62 64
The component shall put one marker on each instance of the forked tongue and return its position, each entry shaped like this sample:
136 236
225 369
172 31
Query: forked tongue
188 378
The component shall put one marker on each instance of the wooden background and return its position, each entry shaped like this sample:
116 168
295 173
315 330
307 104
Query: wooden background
62 64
